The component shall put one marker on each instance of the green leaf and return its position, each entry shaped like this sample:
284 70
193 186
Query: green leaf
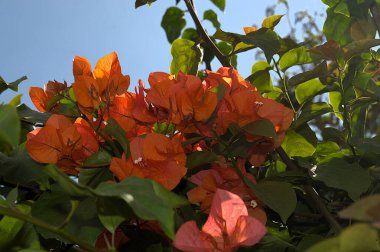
211 16
115 130
99 159
13 85
186 57
308 90
139 3
260 76
261 128
279 196
300 143
10 227
190 34
271 21
358 237
296 56
94 176
10 126
221 4
173 22
311 111
148 200
337 27
20 169
366 209
319 71
111 216
15 100
264 38
77 218
359 46
199 158
340 174
30 116
335 99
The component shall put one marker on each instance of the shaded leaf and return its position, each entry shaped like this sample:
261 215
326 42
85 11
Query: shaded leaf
173 22
13 85
199 158
319 71
365 209
311 111
10 126
148 200
337 27
340 174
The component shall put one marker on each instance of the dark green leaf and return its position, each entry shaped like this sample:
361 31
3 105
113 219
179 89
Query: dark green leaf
296 56
340 174
319 71
20 169
139 3
30 116
148 200
99 159
173 22
221 4
190 34
10 126
94 176
115 130
13 85
311 111
186 57
199 158
337 27
359 46
211 16
261 128
279 196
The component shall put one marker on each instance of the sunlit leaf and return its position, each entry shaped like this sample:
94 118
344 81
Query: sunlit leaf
186 57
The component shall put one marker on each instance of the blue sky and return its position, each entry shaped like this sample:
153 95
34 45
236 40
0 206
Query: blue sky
39 38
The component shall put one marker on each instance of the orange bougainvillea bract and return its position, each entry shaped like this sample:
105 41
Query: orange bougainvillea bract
164 132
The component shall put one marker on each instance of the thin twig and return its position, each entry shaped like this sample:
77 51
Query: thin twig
223 59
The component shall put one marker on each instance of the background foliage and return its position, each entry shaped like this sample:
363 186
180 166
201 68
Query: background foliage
320 190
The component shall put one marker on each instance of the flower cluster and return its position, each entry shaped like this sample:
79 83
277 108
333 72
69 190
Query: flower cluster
178 116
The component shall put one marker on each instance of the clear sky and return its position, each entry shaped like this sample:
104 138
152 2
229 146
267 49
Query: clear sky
39 38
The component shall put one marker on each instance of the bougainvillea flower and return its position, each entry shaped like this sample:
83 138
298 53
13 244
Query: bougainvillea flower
186 99
101 85
228 227
61 142
224 177
156 157
42 98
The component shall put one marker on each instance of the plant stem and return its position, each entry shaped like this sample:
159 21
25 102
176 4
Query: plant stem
311 192
27 218
223 59
291 166
284 85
